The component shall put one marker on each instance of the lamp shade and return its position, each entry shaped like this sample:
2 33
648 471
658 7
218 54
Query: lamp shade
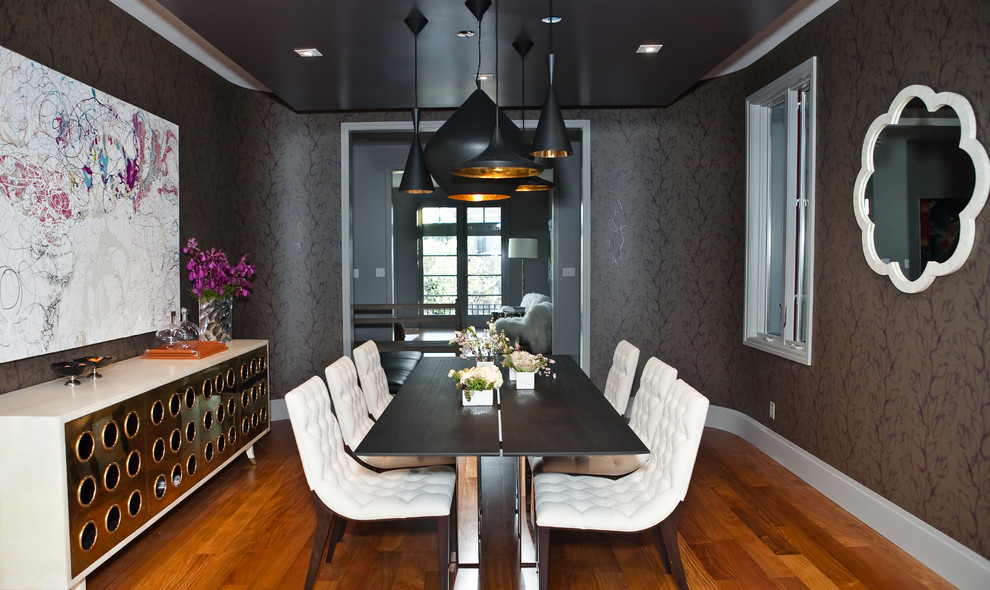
524 248
415 177
463 136
551 139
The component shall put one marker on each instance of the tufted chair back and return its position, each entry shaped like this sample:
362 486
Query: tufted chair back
657 379
374 383
318 438
619 383
344 490
649 497
349 403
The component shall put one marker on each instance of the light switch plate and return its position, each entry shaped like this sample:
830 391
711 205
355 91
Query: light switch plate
357 273
567 271
380 273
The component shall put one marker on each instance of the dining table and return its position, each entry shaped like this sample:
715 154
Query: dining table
564 414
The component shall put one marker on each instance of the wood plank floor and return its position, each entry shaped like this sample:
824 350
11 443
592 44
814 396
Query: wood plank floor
748 523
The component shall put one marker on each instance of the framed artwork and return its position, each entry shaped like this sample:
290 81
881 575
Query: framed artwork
89 214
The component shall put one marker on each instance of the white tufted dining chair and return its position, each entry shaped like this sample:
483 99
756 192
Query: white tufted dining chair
658 377
351 408
651 497
619 383
374 383
343 490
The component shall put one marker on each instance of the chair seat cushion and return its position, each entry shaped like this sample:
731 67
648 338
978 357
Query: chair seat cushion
414 493
406 462
628 504
601 465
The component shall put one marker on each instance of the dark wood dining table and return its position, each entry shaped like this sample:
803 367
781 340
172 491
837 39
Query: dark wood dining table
565 415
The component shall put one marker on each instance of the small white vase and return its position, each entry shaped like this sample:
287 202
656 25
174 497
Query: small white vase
479 397
486 363
525 380
512 374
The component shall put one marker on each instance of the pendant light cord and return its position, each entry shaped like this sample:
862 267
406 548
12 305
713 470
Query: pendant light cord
477 76
550 27
416 71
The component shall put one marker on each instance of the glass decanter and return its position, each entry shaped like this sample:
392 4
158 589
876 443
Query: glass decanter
171 335
190 329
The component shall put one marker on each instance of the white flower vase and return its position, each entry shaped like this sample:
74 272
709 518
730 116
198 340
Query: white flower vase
525 380
479 397
216 319
482 363
512 374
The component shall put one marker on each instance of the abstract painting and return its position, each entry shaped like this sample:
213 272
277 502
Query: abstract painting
89 214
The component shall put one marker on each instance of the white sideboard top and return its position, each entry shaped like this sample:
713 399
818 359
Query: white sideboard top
121 380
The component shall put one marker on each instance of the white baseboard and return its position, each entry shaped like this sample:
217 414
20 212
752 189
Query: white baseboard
945 556
278 410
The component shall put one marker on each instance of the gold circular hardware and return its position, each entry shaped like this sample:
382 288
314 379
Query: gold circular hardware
160 486
110 434
174 404
112 520
158 450
87 536
157 412
111 477
86 491
132 423
175 441
190 397
133 465
134 503
85 445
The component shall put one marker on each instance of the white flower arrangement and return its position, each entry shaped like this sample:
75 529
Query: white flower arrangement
526 362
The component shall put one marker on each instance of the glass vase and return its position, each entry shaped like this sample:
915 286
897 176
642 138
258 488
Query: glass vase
216 319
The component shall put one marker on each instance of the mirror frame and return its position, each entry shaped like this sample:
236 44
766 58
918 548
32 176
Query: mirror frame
967 218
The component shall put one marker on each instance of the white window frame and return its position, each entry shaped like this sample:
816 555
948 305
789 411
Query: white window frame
799 260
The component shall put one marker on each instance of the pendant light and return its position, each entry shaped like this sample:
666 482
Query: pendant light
497 161
522 45
551 139
466 133
416 177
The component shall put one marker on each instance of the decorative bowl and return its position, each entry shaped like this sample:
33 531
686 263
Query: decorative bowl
96 362
70 370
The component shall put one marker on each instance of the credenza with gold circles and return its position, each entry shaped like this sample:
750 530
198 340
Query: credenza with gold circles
86 468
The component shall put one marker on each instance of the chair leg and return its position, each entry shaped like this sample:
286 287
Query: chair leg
543 555
324 520
443 550
336 534
661 548
668 530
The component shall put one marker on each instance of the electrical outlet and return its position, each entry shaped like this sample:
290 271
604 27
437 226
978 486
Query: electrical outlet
357 273
773 411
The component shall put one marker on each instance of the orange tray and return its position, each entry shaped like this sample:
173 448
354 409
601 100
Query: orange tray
197 350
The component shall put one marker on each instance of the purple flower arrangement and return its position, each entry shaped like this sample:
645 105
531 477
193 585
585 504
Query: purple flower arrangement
213 277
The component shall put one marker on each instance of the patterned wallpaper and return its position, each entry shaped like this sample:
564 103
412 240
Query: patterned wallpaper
98 44
898 395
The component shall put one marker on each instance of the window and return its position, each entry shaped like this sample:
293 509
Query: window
780 205
462 237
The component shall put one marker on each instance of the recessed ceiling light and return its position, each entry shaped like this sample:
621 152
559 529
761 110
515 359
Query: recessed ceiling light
649 49
309 52
551 20
465 34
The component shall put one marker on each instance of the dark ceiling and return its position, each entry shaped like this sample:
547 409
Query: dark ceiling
367 61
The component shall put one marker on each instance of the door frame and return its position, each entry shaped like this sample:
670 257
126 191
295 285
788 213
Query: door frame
347 129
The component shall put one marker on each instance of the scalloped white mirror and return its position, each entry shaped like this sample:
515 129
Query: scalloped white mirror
924 179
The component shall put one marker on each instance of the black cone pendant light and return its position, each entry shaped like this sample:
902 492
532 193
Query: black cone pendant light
467 133
415 177
522 45
551 139
497 161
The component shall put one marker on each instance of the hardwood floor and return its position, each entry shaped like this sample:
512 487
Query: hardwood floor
748 523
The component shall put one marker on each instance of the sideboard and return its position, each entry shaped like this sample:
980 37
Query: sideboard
86 468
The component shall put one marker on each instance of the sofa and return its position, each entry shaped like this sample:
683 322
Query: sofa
534 329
